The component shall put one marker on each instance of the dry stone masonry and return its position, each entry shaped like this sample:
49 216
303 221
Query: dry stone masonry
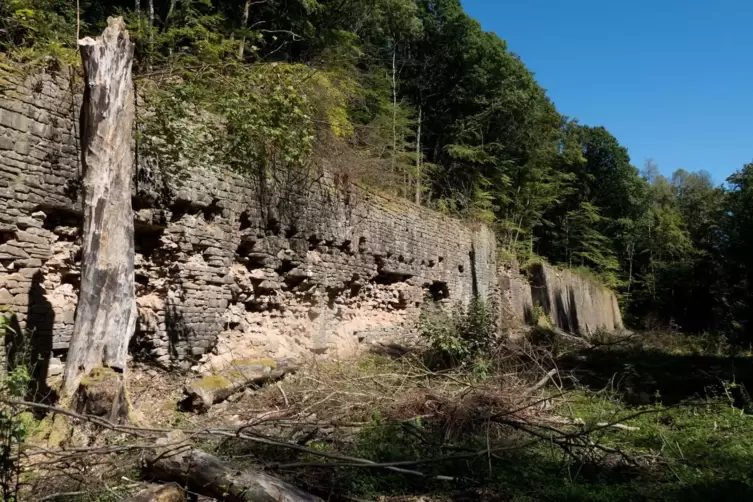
224 270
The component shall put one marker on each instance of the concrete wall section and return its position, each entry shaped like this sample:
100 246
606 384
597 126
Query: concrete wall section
574 303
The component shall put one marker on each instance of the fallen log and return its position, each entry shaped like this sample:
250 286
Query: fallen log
538 385
204 474
203 393
577 340
161 493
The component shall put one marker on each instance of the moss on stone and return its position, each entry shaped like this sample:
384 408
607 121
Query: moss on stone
212 382
254 362
59 431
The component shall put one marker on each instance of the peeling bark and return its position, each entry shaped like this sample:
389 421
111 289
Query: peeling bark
106 311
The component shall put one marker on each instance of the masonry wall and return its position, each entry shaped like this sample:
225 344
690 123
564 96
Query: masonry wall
570 301
225 270
574 303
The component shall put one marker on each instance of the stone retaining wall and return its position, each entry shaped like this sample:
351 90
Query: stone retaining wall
222 273
226 270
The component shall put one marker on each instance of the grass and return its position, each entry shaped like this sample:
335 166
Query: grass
688 434
679 403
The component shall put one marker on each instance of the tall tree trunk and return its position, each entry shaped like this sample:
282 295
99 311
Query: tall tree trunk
418 157
244 22
106 312
394 109
150 7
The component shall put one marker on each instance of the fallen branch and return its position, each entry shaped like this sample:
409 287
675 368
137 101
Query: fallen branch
580 421
541 383
207 475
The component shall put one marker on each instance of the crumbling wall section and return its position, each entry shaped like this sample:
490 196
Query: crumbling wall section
571 302
515 295
224 269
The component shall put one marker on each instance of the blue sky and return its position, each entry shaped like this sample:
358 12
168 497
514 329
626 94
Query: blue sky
671 79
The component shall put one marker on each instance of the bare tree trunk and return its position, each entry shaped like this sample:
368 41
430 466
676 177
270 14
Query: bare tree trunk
418 158
394 109
169 11
244 22
106 312
150 7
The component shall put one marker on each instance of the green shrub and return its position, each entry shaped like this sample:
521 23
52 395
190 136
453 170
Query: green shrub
15 422
462 335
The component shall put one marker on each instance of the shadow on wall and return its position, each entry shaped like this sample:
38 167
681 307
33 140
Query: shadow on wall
179 333
539 292
567 315
32 347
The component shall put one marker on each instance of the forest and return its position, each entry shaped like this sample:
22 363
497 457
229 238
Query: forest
443 113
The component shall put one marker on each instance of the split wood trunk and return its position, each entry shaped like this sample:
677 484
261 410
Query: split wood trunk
106 311
204 474
163 493
203 393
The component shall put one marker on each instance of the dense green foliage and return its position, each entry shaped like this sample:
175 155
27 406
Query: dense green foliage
435 109
464 336
14 420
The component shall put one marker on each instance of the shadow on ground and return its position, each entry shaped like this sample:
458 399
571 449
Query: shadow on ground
646 375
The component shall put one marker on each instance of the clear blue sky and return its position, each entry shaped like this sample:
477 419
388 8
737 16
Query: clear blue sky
671 79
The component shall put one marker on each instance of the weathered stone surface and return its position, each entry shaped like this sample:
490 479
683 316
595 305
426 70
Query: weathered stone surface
574 303
515 296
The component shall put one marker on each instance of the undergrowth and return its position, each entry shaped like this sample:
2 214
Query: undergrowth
617 435
635 418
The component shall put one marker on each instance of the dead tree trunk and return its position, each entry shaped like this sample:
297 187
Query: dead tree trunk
244 22
106 312
207 475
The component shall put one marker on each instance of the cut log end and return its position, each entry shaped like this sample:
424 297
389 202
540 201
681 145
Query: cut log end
164 493
102 393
